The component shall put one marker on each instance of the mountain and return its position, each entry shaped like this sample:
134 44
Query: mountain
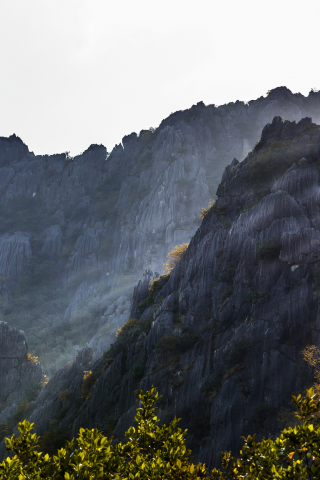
78 233
221 335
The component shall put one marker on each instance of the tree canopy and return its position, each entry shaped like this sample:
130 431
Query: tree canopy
159 452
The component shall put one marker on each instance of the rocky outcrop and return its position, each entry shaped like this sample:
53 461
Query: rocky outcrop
222 336
52 237
116 315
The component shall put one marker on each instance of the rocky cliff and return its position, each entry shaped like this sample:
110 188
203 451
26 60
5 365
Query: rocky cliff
77 233
21 377
221 335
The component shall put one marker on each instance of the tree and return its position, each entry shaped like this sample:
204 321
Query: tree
151 452
160 453
204 212
294 455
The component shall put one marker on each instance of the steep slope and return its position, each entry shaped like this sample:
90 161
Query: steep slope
77 233
21 377
221 335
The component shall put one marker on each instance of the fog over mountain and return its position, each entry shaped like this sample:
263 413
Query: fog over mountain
82 238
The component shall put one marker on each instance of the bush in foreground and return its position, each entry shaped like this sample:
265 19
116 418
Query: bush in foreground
151 452
159 453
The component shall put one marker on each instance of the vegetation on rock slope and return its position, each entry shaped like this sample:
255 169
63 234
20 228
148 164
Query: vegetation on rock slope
157 452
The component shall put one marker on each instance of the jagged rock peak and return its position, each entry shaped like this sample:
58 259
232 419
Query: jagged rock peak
12 148
278 93
280 129
13 138
128 138
93 147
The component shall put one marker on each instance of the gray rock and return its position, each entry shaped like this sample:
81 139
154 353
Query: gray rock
14 251
52 241
17 374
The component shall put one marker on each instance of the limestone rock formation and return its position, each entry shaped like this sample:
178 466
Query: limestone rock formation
222 335
99 221
221 338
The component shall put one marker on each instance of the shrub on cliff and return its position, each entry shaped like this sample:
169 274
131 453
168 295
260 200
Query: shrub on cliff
154 289
204 211
175 256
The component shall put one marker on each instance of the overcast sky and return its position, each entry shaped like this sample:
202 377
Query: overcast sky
77 72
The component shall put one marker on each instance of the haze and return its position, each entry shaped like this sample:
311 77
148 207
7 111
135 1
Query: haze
77 72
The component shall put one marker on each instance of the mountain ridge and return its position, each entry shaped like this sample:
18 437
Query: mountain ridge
221 335
77 235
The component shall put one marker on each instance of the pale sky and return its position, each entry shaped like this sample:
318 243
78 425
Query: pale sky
77 72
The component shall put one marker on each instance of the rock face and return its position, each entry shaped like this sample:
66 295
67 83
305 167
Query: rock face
116 315
18 375
220 336
15 250
98 220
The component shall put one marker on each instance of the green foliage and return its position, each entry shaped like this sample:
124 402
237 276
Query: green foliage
125 331
152 452
271 162
269 249
177 344
89 379
293 455
53 439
